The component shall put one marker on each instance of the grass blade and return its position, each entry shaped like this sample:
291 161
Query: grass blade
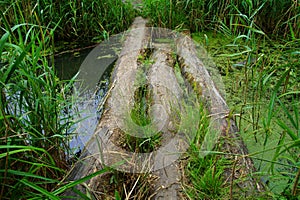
27 174
289 131
39 189
74 183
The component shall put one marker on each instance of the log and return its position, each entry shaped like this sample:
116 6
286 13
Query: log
168 94
166 111
221 122
100 151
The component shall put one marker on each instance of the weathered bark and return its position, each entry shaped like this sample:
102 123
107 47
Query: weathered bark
221 123
104 148
100 151
167 93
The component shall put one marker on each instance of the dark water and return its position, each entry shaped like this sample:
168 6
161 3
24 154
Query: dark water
92 68
68 64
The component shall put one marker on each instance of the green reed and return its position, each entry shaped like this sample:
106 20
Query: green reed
268 108
267 90
33 126
35 117
74 20
274 17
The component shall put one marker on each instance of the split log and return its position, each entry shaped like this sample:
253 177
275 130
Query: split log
221 122
167 93
100 151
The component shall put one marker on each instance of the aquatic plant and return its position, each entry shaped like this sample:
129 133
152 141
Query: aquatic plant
261 75
34 118
72 20
275 18
266 74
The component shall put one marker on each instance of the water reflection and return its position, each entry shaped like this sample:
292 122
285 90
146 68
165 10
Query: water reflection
68 64
94 67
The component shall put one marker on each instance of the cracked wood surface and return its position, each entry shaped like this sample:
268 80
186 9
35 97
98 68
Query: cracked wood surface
222 123
103 150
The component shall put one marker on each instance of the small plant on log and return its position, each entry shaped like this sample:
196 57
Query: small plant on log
139 115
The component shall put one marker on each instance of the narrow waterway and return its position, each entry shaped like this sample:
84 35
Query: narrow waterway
92 68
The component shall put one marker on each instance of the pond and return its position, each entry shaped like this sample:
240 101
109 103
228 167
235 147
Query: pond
92 68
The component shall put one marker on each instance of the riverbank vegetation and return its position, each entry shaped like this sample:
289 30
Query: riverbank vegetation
254 44
35 120
82 21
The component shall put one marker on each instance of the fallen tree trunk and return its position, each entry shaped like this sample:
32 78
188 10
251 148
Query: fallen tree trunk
166 93
105 150
221 122
100 151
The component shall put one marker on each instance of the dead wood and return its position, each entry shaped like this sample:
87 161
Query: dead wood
222 123
104 148
100 151
166 93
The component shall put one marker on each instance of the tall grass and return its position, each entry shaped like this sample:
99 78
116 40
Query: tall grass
34 115
265 84
204 175
74 20
264 94
273 17
264 90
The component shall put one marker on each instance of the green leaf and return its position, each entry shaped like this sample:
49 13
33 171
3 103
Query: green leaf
26 148
295 144
27 174
117 195
2 41
13 67
287 112
289 93
235 54
289 131
39 189
2 155
273 98
74 183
